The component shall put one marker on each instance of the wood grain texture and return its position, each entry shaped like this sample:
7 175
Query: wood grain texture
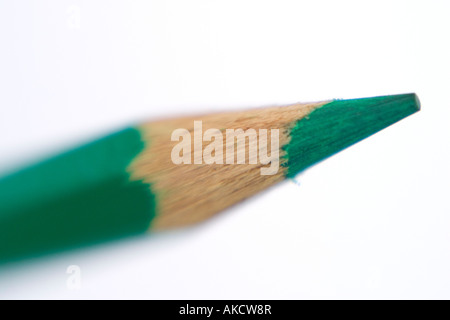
189 193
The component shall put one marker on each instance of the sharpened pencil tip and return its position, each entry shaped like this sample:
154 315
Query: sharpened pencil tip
340 124
417 101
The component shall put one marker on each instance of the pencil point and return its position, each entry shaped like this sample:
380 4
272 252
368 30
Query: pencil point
341 123
417 101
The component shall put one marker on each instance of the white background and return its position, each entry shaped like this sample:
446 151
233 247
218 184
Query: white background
370 222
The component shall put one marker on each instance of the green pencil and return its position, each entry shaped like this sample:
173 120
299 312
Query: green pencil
175 172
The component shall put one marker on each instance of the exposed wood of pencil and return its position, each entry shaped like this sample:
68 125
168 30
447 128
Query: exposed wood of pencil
191 193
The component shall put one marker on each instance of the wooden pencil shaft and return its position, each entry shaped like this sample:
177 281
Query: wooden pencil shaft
133 181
